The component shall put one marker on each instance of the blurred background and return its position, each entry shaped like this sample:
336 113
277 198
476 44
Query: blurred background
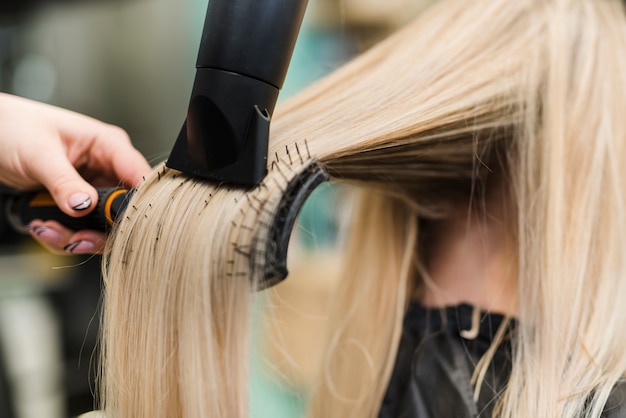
131 63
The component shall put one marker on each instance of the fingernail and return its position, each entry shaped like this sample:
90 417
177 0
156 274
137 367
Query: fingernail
79 201
80 247
46 234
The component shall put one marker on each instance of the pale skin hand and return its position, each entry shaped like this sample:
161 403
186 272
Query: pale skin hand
42 145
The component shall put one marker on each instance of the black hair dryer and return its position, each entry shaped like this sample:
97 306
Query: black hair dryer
244 54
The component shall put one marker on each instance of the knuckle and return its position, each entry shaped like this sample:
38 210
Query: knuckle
118 133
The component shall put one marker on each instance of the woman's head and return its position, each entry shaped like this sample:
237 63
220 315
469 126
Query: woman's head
526 92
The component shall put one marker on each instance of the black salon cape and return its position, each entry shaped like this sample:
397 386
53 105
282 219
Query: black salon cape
434 365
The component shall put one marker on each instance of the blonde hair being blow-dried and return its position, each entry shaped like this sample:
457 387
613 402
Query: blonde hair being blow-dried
418 123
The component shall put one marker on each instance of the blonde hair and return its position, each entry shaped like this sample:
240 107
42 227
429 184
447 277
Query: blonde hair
418 122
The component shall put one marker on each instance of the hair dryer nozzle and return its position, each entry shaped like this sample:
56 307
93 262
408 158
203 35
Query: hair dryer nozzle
225 136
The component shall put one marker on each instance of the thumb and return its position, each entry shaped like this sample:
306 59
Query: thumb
72 194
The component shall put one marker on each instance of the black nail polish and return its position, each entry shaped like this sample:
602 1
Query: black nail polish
71 246
83 205
39 230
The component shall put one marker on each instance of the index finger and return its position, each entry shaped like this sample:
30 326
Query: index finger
112 153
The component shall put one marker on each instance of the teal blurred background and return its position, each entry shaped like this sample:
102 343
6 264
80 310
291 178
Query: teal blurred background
131 63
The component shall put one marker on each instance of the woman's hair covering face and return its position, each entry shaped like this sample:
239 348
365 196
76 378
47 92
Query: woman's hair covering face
534 90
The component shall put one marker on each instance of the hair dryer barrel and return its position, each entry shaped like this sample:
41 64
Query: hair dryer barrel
254 38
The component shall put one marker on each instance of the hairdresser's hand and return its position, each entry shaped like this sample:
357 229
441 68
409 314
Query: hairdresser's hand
42 145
